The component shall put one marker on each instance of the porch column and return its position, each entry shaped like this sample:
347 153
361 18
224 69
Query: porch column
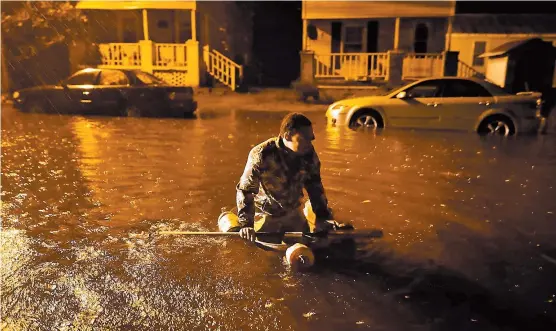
145 25
450 60
449 34
307 74
397 34
147 50
395 68
193 25
304 41
193 63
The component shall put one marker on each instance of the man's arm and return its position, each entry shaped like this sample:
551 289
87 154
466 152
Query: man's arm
314 188
247 187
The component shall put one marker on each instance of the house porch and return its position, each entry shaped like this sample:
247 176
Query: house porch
159 37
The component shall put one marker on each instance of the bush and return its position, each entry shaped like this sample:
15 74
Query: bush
306 90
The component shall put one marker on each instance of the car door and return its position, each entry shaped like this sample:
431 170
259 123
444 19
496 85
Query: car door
462 102
79 89
418 108
108 94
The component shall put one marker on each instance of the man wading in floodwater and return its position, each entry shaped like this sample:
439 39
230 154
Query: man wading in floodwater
276 172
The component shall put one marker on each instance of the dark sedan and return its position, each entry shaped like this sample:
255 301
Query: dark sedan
111 92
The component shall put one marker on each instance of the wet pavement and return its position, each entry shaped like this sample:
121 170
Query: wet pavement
469 229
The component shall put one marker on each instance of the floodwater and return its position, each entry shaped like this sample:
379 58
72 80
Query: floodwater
469 229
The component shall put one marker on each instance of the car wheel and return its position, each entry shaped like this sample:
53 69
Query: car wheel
132 111
497 126
366 120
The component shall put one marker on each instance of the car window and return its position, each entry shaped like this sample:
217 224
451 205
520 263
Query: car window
83 78
148 79
495 88
428 89
113 77
456 88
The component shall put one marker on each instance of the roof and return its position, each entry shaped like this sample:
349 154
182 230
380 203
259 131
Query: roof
132 5
511 45
504 23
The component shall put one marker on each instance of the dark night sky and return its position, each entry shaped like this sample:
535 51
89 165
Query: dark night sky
506 7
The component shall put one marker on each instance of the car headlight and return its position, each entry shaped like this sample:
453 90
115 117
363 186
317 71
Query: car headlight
172 95
15 95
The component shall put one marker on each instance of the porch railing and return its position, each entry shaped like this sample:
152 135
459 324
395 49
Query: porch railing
422 65
465 70
120 54
171 56
222 68
351 66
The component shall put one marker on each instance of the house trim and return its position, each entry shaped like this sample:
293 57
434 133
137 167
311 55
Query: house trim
134 5
503 35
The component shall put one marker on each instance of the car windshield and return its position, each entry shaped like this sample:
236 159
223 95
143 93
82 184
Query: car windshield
148 79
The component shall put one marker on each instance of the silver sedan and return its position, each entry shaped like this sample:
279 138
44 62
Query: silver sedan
451 103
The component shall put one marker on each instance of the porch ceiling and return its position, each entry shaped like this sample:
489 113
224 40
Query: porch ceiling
133 5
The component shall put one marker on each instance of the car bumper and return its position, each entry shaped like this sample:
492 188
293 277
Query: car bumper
183 107
336 118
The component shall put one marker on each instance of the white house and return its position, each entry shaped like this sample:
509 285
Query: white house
178 41
366 40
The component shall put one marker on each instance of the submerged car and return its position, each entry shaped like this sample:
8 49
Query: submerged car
112 92
452 103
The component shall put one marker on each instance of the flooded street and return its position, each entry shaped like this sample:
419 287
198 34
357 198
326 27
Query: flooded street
469 229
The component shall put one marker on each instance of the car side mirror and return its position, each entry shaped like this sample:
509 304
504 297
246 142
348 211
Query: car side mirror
402 95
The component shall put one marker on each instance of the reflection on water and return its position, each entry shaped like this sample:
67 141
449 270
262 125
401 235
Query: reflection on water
466 221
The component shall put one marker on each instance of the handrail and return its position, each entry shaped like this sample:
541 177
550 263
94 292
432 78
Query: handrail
222 68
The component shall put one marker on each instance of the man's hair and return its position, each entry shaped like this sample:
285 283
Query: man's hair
292 123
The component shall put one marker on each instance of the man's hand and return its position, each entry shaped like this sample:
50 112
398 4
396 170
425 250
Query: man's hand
323 226
247 233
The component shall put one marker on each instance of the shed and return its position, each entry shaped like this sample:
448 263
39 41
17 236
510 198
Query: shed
523 65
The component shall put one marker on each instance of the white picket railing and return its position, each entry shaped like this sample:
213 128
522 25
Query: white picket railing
465 70
171 56
222 68
351 66
422 65
120 54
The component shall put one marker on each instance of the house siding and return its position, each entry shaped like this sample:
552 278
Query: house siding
377 9
464 44
386 29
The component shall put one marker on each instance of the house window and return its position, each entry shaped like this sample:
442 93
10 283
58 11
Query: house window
479 47
185 32
353 39
129 31
162 24
421 38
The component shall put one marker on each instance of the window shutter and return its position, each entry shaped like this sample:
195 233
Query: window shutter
336 40
336 37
